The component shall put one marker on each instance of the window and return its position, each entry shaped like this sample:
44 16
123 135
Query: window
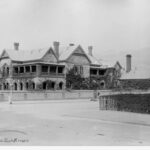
75 69
81 70
33 68
102 72
102 84
21 86
7 71
15 69
61 85
60 69
15 86
27 85
45 69
53 69
33 86
3 71
21 69
93 72
27 69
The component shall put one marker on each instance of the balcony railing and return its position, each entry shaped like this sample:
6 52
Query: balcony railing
42 74
97 75
28 74
52 74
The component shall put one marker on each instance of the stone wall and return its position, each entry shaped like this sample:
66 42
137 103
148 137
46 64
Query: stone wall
46 95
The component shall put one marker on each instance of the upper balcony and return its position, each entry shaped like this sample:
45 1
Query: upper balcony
41 70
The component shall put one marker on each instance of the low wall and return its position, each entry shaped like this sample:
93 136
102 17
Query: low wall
46 95
54 95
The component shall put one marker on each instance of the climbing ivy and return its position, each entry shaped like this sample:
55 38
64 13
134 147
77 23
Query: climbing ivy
73 80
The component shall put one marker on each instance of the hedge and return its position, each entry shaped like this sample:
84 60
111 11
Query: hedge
139 103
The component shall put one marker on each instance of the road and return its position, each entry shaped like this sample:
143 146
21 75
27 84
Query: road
70 123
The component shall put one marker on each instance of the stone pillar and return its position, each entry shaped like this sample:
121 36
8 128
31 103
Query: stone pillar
56 70
56 86
64 85
18 70
38 70
24 69
30 69
18 86
10 70
97 72
2 86
49 68
24 86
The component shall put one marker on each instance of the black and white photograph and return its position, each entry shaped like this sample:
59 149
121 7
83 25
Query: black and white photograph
74 73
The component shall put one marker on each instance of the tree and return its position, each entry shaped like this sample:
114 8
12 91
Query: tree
74 80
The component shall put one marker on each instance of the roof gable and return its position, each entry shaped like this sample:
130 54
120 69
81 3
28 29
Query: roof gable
4 54
50 56
79 50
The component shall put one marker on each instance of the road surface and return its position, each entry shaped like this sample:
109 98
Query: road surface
70 123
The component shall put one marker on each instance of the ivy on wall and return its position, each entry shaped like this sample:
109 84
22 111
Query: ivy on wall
77 82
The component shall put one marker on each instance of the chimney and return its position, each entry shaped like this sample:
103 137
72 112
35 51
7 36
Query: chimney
16 46
71 44
56 48
90 48
128 63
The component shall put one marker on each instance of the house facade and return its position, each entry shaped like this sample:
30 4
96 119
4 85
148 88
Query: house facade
46 69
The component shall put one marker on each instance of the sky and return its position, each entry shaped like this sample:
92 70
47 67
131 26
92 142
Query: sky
113 27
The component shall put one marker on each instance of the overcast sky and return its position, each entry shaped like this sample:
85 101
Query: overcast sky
113 27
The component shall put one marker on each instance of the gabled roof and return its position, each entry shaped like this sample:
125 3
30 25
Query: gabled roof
66 52
22 55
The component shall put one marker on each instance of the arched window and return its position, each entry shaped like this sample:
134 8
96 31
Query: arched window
61 85
102 84
7 86
27 85
44 85
33 86
15 86
53 85
4 86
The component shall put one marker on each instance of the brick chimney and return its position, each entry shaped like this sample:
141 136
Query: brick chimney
128 63
90 49
56 48
71 44
16 46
